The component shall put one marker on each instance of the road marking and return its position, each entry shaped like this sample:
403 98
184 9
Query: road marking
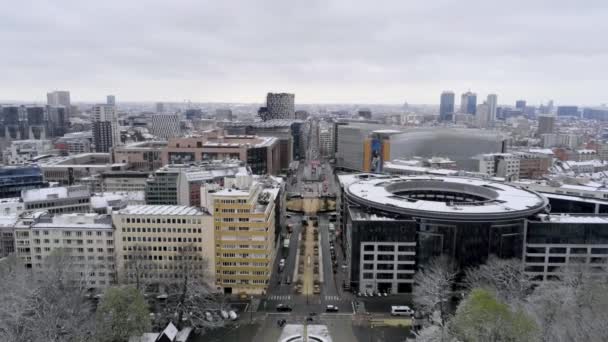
280 297
330 298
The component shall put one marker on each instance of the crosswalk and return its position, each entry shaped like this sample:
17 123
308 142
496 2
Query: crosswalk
280 297
329 298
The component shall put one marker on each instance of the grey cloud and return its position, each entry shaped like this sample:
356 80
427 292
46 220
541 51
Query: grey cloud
325 51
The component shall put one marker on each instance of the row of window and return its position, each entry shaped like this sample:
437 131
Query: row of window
242 264
163 230
160 220
388 267
160 239
77 242
242 255
564 250
388 276
233 272
388 257
388 248
245 281
66 233
162 248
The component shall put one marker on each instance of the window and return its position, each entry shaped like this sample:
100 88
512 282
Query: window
368 276
368 266
368 257
385 248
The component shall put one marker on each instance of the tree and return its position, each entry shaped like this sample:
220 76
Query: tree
505 277
191 300
432 287
122 313
139 267
49 304
481 317
572 308
16 287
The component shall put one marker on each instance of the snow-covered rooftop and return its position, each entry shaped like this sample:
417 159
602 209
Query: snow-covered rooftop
164 210
491 197
575 219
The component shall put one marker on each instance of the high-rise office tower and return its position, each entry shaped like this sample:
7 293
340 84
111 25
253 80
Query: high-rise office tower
105 127
111 100
58 98
520 104
468 103
546 124
483 115
492 102
160 107
446 106
165 125
278 106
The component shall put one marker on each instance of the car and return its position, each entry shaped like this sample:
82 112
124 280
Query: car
402 310
233 316
288 282
224 314
331 308
288 216
284 308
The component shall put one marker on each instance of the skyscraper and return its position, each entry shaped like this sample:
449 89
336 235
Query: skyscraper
546 124
492 102
111 100
468 103
446 106
165 125
278 106
58 98
483 115
520 104
160 107
105 127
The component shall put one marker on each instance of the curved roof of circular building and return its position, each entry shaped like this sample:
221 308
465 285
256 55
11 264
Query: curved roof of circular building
438 197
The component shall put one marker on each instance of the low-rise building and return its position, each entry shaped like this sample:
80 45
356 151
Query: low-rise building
504 165
157 235
140 156
180 184
70 169
23 151
555 242
14 179
58 200
261 154
88 238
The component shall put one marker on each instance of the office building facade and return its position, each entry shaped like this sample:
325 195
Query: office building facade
87 238
244 220
106 132
468 103
151 241
165 126
446 106
392 226
278 106
14 179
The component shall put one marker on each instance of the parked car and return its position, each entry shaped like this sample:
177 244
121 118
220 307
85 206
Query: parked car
233 316
284 308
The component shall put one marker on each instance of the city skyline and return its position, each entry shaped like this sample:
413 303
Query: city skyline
237 52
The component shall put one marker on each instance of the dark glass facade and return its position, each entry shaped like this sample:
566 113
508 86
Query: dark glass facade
362 230
566 233
13 179
257 160
559 205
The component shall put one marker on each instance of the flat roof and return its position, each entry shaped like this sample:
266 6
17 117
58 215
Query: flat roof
564 218
475 199
162 210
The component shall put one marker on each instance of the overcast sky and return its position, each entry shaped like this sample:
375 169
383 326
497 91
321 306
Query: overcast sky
324 51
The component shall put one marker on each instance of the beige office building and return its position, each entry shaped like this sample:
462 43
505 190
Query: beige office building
244 216
159 234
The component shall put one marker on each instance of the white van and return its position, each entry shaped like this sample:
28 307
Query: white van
401 311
